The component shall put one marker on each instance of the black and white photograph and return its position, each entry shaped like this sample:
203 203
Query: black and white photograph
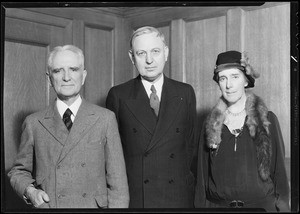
150 107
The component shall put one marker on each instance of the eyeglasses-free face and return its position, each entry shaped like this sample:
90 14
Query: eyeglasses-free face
232 83
149 55
67 75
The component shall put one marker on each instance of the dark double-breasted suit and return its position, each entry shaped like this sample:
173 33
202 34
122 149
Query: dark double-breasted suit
81 169
158 151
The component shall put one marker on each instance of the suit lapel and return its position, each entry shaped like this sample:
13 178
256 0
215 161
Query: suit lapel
84 120
170 105
139 105
54 124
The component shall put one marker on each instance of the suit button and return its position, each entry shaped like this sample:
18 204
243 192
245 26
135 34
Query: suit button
83 164
58 167
134 130
172 155
84 195
146 154
146 181
171 181
177 130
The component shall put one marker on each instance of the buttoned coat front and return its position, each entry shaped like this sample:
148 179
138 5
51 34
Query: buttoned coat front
81 169
158 151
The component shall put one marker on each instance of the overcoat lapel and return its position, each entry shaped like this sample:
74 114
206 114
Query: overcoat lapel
139 105
84 120
170 105
54 124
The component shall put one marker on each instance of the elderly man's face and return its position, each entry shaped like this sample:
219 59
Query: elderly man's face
67 75
149 55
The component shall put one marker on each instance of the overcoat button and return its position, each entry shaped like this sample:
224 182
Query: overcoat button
146 181
134 130
177 130
172 155
84 195
83 164
171 181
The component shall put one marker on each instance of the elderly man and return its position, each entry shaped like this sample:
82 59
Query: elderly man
70 154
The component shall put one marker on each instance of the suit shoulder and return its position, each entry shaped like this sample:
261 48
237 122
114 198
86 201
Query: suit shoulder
37 114
123 86
181 85
99 109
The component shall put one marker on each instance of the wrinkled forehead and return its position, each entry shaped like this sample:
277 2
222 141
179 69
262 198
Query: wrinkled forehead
66 58
147 42
147 33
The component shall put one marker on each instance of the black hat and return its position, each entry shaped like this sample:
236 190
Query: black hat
232 59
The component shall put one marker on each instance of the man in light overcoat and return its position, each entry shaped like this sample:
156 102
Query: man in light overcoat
70 160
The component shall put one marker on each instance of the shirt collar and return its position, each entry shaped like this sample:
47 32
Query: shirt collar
158 84
62 107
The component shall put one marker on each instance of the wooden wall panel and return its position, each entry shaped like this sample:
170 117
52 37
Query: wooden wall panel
166 31
267 41
123 69
25 90
99 60
204 40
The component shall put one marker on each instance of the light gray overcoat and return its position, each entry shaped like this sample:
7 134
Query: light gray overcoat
81 169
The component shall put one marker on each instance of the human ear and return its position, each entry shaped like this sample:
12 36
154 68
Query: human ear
49 79
131 56
166 49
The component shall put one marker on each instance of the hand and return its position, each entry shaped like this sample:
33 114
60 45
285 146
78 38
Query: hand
36 196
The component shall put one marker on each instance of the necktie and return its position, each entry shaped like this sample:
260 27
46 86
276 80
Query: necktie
67 119
154 101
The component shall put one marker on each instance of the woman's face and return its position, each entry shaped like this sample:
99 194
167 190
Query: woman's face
232 83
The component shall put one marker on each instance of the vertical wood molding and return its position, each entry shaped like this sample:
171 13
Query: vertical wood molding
78 33
78 27
114 51
235 29
177 53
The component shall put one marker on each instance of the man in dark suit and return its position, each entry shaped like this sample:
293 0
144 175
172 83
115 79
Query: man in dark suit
70 154
158 138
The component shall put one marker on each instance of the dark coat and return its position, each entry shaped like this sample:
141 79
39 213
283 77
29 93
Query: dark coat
158 151
255 173
81 169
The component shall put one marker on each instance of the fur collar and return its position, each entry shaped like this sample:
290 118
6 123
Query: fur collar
257 123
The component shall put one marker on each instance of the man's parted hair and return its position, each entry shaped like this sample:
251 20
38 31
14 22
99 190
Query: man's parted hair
146 30
57 49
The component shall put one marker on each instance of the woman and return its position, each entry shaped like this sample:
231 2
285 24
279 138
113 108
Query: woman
241 150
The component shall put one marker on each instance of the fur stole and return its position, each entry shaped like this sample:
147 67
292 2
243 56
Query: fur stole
257 123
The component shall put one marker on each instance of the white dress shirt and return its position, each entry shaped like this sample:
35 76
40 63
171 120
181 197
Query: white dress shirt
62 107
158 84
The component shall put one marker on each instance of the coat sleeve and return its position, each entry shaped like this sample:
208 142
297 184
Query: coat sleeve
112 102
21 173
278 170
193 131
118 193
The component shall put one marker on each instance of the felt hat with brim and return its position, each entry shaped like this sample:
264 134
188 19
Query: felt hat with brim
231 59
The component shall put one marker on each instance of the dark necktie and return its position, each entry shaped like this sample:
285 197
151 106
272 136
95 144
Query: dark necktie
154 101
67 119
